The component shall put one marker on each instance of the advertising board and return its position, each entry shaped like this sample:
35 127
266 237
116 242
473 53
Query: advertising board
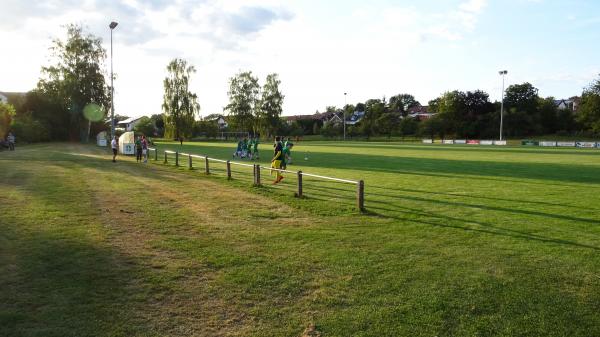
587 145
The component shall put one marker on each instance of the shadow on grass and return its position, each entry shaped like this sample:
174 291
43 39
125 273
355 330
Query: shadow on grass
571 173
450 168
466 196
53 285
486 207
487 228
380 197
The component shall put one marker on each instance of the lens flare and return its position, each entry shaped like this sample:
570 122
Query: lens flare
93 112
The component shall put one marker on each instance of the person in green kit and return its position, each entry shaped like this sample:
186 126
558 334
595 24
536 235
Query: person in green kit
286 155
255 150
244 147
250 141
238 151
138 149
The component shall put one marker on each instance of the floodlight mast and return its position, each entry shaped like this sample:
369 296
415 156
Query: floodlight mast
344 114
112 26
503 74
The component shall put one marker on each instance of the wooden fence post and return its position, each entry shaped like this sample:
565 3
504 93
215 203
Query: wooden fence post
299 193
360 195
190 162
257 175
166 161
228 170
155 154
176 158
207 169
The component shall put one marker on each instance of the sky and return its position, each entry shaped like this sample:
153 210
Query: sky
320 49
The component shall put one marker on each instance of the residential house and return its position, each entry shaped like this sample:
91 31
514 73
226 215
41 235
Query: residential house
129 123
324 117
222 123
419 112
568 104
355 118
11 97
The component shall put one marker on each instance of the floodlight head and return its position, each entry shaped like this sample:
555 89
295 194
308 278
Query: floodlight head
503 72
113 25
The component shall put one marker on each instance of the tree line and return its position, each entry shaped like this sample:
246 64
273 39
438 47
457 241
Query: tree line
75 84
470 114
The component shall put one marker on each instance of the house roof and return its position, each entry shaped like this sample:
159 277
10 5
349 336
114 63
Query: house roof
129 120
417 109
317 116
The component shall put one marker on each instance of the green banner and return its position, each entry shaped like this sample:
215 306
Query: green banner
530 142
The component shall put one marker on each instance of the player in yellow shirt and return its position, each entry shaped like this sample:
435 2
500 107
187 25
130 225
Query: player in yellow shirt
277 159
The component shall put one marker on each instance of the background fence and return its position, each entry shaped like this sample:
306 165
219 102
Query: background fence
317 184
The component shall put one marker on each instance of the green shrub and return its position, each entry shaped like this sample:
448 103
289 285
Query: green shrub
26 129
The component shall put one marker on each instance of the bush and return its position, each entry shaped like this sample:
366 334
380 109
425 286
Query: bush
7 113
145 126
29 130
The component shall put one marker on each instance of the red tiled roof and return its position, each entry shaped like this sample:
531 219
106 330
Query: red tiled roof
418 109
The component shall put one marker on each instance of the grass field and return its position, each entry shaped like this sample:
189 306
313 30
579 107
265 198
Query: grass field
457 241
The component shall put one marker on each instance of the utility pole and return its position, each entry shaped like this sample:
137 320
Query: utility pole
502 73
112 87
344 115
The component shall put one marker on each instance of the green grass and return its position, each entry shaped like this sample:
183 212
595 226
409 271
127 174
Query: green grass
457 241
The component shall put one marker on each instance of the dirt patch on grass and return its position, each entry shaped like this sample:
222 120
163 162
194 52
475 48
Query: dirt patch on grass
311 331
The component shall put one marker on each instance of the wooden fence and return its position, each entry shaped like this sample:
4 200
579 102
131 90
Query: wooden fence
256 172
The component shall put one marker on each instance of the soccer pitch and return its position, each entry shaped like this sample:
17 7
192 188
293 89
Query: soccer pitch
456 240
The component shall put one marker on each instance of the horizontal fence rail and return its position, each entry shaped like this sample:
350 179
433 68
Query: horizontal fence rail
360 185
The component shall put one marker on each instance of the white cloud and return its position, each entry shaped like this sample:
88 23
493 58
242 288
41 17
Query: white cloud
367 52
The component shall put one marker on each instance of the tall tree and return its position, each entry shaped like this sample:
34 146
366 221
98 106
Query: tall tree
547 115
522 97
589 110
522 117
402 102
271 105
74 81
450 108
180 105
374 110
243 93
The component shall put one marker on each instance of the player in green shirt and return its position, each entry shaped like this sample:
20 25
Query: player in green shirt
256 142
138 149
286 155
250 141
244 147
238 151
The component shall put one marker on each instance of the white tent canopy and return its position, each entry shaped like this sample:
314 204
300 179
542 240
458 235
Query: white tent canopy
127 143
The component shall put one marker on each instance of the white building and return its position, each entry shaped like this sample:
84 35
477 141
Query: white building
129 123
222 123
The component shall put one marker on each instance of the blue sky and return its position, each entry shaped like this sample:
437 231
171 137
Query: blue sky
320 49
